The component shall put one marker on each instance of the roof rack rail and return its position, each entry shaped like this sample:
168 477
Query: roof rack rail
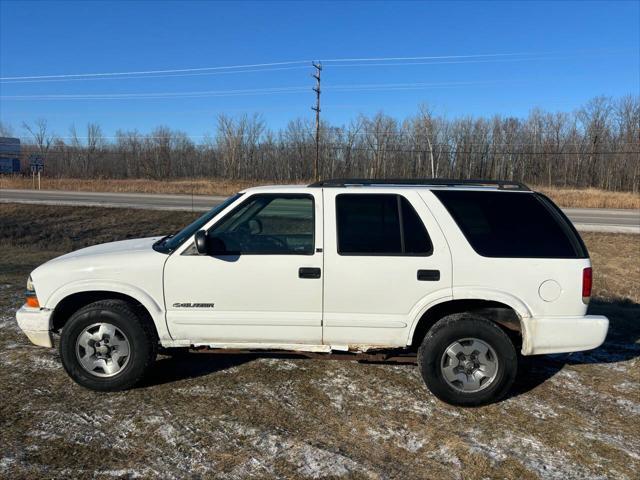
436 182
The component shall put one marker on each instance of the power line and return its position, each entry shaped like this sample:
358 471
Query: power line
271 64
150 72
137 77
256 91
127 96
170 74
436 57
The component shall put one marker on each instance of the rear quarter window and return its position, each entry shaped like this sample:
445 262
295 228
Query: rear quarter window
513 224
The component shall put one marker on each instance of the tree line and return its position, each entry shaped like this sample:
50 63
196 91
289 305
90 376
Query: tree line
597 145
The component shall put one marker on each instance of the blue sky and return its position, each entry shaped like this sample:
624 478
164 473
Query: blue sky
566 53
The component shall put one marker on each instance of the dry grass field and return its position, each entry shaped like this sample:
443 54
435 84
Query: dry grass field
565 197
591 197
263 416
197 186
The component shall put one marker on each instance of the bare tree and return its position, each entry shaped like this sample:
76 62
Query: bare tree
597 145
42 137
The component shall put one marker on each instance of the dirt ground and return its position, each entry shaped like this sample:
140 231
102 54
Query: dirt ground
264 416
565 197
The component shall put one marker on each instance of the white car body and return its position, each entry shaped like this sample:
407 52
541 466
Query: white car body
358 303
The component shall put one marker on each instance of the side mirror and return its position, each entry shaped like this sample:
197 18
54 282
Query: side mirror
201 242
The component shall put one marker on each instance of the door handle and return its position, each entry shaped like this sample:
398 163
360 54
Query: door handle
428 275
308 272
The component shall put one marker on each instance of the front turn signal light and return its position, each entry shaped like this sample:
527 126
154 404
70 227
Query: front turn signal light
32 301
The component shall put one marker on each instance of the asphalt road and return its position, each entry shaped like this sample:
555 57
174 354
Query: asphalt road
585 219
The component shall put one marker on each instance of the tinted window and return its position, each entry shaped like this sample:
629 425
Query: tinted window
174 242
511 224
378 225
269 224
416 239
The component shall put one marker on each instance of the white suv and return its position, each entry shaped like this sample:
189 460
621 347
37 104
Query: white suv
466 273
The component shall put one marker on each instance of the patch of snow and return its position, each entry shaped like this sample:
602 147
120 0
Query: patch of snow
342 389
532 406
628 405
9 322
625 445
129 473
279 363
571 381
6 462
309 460
627 386
402 438
534 455
82 428
168 433
47 363
445 455
198 390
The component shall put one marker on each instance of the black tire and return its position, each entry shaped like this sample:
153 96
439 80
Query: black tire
143 344
453 328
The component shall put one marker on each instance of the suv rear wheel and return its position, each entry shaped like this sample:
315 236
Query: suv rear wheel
467 360
106 346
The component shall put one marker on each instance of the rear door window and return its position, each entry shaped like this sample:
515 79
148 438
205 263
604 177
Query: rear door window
379 224
513 224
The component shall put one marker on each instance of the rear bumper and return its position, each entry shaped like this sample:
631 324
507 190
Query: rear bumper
563 334
35 323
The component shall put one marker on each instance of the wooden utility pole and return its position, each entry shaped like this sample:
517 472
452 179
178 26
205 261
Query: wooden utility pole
316 169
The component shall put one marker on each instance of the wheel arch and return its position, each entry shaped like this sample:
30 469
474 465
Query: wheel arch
509 315
65 302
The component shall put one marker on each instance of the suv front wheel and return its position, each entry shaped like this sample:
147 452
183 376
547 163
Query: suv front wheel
467 360
106 346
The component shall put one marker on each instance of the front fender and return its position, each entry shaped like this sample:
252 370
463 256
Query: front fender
155 309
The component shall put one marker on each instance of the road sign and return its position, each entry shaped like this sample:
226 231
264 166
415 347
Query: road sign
36 162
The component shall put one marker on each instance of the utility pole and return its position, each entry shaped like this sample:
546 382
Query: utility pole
318 67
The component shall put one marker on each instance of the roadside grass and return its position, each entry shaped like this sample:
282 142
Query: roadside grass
265 415
196 186
590 197
565 197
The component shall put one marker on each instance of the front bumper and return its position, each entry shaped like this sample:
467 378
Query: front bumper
563 334
35 323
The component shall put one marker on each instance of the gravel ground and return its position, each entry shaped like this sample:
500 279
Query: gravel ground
247 416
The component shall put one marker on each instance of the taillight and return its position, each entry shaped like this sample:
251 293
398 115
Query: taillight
587 282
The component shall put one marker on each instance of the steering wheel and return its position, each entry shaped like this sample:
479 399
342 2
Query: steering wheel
276 242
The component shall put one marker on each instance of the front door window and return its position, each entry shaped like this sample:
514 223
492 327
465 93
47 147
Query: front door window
268 224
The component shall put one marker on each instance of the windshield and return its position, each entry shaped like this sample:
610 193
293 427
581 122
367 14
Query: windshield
173 242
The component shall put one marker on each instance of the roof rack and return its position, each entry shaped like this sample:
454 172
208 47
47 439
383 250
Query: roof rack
436 182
